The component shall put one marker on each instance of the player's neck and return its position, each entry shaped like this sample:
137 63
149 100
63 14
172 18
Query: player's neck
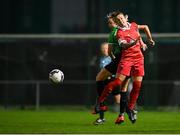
125 27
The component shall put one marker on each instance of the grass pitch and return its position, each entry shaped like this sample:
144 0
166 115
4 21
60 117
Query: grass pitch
80 121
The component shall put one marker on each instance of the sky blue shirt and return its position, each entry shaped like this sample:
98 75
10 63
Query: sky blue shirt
104 61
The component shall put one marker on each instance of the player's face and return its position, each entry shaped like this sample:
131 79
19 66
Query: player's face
104 49
111 23
123 20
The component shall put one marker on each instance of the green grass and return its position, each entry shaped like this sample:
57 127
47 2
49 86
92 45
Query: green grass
80 121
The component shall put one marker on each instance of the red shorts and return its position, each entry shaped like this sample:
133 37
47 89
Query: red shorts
131 67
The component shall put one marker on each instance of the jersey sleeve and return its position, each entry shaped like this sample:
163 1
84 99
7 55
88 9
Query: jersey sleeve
110 38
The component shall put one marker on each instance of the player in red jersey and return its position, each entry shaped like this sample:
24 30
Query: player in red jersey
112 67
131 64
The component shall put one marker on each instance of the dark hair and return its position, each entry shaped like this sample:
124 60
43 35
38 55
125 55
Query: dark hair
114 14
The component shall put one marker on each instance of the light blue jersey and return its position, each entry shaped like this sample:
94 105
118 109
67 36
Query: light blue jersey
105 60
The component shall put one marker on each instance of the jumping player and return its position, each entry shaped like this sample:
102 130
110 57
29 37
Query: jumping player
114 51
131 64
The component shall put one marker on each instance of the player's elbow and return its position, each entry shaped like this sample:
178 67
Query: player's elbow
124 46
146 27
143 27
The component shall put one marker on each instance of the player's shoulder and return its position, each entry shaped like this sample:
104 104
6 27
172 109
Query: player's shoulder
114 30
134 24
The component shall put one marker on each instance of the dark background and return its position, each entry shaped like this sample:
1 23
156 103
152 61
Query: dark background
84 16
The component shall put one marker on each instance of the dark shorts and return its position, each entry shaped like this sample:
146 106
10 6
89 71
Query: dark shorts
113 65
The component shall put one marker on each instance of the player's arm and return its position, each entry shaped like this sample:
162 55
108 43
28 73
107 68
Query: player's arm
125 45
143 45
110 45
110 51
145 28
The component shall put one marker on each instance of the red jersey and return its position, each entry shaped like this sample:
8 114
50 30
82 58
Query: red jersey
129 35
132 59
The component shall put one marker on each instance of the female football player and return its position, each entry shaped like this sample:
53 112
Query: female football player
131 63
114 50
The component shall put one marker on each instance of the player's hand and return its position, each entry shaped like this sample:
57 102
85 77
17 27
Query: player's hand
151 42
144 47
